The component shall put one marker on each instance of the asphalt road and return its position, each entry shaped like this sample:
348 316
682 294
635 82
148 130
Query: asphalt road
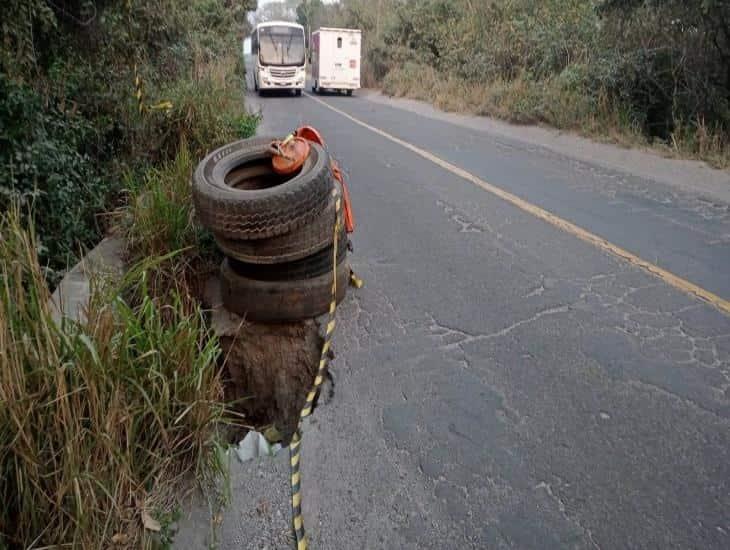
501 383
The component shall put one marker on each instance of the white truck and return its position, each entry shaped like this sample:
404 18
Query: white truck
335 59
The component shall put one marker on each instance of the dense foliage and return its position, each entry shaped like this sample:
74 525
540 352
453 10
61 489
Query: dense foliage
102 419
69 119
653 68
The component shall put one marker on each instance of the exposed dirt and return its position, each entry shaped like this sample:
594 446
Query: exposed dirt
270 367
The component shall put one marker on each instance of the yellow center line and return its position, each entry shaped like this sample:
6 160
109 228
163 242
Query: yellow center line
666 276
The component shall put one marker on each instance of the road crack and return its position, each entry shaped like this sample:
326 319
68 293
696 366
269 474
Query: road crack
563 511
461 337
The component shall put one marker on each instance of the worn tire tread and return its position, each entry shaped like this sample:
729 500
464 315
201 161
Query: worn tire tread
258 214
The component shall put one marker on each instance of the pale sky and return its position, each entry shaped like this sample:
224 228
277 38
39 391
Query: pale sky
247 41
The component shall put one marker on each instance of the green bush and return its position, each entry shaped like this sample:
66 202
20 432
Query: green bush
69 122
45 165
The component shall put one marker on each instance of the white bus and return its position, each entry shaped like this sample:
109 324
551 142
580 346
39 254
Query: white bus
279 58
335 59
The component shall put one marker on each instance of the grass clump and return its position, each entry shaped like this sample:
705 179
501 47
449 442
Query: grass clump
158 216
207 111
98 419
555 102
159 221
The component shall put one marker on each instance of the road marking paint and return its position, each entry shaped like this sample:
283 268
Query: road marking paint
666 276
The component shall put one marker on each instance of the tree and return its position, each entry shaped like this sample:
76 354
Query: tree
309 14
284 10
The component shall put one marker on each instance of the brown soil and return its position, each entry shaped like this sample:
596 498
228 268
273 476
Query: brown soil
270 367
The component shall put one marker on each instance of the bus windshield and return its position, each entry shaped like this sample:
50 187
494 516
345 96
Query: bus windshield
281 46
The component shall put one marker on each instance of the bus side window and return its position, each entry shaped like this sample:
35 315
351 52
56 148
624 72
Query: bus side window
339 42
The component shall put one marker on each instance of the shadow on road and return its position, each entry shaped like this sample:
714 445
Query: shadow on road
275 93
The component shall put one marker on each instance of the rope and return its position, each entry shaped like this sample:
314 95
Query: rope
300 536
139 94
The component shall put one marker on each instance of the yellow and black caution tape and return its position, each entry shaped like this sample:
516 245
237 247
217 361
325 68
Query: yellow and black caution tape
139 94
296 442
300 536
138 90
356 281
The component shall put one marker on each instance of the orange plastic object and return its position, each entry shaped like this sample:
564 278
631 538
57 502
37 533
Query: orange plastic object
349 217
290 155
311 134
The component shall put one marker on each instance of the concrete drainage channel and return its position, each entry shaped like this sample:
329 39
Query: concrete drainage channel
279 210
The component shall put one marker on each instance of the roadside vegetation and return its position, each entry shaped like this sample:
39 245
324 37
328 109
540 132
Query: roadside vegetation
71 130
100 420
637 72
104 419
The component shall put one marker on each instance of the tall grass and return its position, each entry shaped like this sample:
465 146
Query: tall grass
98 419
207 111
555 102
158 217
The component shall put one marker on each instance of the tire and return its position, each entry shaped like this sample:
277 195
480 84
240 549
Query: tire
237 195
319 263
295 245
349 93
298 92
279 301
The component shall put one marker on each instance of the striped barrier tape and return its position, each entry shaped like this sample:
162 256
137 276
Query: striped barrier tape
295 446
139 95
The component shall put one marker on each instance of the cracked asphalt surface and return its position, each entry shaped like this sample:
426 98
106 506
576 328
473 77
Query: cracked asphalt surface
500 383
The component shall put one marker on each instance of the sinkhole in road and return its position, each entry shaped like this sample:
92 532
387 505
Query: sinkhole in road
268 368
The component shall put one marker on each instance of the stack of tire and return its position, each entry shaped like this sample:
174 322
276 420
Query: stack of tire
277 232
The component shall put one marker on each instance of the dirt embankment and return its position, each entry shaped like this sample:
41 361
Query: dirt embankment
270 367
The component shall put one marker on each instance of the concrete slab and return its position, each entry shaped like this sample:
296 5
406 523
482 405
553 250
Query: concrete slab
71 297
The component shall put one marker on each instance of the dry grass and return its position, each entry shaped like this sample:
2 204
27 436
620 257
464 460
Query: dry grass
158 217
159 221
550 102
207 111
98 420
103 421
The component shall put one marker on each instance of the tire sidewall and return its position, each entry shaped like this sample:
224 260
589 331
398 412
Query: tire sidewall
214 168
